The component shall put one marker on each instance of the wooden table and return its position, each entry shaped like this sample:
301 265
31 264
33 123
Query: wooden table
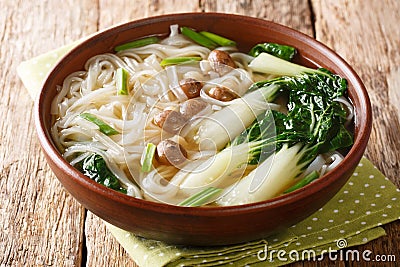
42 225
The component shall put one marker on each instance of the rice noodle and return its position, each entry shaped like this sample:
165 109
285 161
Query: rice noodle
349 107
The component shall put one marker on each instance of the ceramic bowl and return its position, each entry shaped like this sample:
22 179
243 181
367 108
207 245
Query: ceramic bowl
217 225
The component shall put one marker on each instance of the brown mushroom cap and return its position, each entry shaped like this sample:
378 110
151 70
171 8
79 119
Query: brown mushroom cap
221 61
192 107
169 120
222 93
191 87
170 153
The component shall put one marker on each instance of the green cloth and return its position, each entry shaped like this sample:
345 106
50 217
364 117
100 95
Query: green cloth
352 217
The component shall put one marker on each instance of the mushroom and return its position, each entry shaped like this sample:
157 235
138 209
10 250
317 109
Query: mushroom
191 87
170 153
221 61
192 107
170 121
222 93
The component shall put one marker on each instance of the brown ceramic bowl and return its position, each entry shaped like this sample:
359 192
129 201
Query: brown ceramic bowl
204 226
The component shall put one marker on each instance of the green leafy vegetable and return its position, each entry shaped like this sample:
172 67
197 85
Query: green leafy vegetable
281 51
137 43
147 157
314 115
103 127
201 198
222 41
198 38
122 81
314 124
303 182
178 60
95 167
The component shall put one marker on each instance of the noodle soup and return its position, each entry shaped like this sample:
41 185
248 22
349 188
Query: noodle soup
190 120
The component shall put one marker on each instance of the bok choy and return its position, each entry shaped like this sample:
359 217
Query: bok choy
224 125
313 124
281 51
266 63
95 167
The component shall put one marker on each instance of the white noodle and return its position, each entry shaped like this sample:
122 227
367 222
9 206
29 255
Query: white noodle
349 107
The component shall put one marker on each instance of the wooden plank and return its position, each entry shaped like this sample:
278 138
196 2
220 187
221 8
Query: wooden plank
295 14
369 41
40 223
101 247
112 13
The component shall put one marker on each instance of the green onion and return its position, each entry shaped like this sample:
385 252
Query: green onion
147 157
198 38
305 181
200 198
178 60
222 41
103 127
122 81
137 43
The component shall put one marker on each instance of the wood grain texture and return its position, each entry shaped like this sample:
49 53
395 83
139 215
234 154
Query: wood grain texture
295 14
41 225
368 37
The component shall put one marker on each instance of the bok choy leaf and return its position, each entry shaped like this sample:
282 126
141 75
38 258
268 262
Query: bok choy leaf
281 51
95 167
313 124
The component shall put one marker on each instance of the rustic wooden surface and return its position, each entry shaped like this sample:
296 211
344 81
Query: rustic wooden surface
41 225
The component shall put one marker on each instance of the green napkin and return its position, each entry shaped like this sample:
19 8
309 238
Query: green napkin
352 217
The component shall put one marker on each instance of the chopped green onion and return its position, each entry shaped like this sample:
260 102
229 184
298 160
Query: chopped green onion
122 81
147 157
103 127
200 198
198 38
137 43
303 182
222 41
178 60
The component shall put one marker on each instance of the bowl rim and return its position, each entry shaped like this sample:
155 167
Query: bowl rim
352 157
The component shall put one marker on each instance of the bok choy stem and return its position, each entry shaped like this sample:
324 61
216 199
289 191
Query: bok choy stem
224 125
274 174
215 170
266 63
